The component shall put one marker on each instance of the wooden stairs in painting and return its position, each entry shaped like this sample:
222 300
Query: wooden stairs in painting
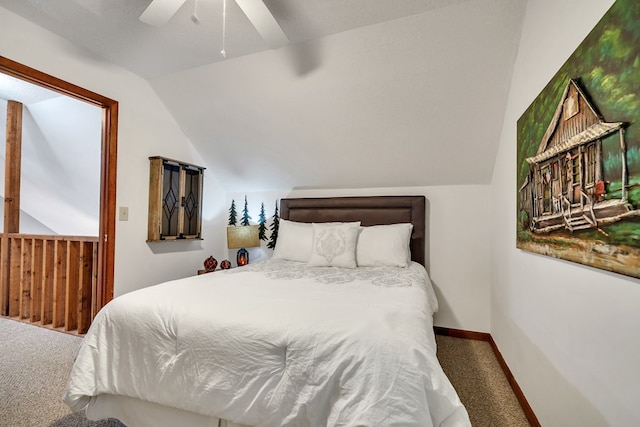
586 217
581 221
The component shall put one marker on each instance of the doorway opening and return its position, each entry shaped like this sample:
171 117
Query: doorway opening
86 281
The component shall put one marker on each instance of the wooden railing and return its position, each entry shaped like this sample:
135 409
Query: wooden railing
587 204
49 280
566 212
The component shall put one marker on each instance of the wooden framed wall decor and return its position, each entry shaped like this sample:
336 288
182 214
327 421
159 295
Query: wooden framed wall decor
175 200
578 152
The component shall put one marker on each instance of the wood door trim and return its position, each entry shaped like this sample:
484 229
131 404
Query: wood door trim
106 246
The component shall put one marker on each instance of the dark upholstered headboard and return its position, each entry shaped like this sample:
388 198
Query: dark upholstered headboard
369 210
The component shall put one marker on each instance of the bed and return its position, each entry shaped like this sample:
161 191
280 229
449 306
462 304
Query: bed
342 336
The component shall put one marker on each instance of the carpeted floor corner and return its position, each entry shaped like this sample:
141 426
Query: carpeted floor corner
482 386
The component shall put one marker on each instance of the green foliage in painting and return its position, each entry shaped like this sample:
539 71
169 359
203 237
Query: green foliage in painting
624 233
633 195
608 66
613 162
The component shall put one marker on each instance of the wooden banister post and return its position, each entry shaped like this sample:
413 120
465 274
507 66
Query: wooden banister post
13 160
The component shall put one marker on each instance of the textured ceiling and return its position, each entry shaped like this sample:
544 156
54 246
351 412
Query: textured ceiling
21 91
369 93
111 28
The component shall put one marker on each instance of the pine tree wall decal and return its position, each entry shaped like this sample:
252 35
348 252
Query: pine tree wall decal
274 229
232 213
262 229
245 213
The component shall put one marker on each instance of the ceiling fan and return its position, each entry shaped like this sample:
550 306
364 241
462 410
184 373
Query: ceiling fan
159 12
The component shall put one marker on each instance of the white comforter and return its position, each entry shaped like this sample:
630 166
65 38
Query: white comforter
276 343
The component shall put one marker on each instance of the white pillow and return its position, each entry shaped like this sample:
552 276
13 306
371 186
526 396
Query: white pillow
384 245
334 245
294 241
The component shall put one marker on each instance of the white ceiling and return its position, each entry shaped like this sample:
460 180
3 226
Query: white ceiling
369 93
111 28
22 91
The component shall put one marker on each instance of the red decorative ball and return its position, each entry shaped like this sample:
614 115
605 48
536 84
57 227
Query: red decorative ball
210 264
225 265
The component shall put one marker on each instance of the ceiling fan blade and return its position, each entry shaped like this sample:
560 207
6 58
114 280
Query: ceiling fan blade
264 22
160 11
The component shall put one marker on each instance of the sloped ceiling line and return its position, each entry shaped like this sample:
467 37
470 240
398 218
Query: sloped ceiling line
377 93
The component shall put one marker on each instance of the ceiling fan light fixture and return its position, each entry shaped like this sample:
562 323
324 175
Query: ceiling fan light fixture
159 12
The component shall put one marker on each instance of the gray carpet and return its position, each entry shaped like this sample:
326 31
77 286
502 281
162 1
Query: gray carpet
35 364
34 367
475 373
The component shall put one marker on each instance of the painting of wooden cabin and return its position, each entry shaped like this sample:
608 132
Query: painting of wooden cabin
577 182
566 188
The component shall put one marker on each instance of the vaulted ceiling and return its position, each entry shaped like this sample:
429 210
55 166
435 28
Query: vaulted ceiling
368 93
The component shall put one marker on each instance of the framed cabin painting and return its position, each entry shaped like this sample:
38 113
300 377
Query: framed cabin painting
578 152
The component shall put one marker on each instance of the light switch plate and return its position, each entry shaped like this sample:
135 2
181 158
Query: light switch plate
123 213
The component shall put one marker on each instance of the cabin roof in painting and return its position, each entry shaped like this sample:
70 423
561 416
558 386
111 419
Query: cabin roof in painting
575 115
593 132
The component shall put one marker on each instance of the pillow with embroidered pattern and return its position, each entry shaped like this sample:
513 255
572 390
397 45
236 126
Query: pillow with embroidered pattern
334 245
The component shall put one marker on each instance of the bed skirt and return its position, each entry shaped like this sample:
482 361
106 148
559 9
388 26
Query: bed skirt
139 413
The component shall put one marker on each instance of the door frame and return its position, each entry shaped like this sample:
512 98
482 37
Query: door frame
106 237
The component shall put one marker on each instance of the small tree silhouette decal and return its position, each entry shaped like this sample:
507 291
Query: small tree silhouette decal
245 213
232 213
274 229
262 229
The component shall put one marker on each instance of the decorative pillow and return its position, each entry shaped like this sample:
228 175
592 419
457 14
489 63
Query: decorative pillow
294 241
384 245
334 245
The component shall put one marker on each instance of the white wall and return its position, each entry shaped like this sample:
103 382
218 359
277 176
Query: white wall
395 90
145 128
458 251
458 243
568 332
60 172
61 165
